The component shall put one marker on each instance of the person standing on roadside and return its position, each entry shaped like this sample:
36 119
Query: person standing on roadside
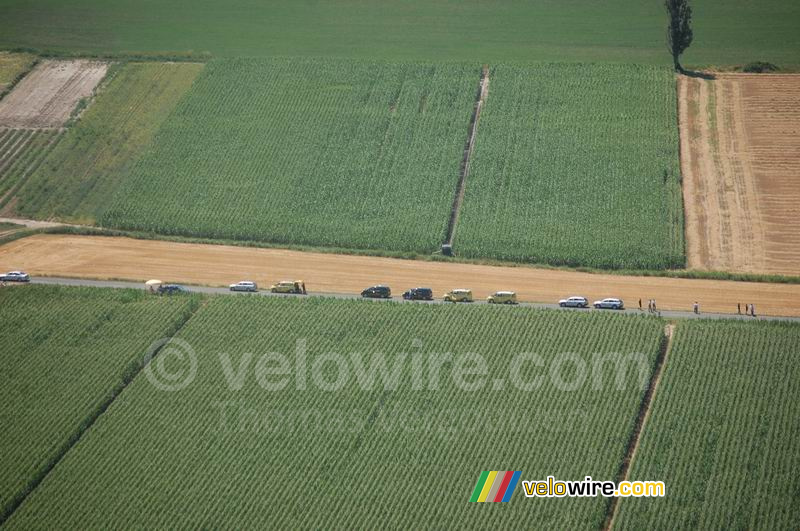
640 305
739 308
696 307
753 310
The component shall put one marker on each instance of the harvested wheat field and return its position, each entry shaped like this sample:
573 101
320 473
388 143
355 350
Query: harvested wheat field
46 97
104 258
740 147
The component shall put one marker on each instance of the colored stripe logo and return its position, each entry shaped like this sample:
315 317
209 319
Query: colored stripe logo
495 486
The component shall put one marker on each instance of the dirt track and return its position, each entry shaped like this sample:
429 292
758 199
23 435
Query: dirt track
216 265
46 96
740 146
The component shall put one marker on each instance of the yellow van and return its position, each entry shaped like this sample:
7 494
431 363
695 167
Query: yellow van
289 286
458 295
502 297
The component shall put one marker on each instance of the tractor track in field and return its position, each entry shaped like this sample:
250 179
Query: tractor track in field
641 421
482 94
87 423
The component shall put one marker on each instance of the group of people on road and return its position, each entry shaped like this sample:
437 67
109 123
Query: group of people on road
651 306
749 308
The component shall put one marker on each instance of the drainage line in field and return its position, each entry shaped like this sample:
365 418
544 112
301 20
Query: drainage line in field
14 504
480 99
641 420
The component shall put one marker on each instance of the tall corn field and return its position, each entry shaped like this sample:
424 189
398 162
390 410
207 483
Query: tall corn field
333 153
576 165
228 452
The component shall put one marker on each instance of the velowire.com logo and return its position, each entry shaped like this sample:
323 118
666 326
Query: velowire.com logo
495 486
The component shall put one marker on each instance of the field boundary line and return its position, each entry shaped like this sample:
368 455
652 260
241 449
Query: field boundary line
483 93
641 420
133 370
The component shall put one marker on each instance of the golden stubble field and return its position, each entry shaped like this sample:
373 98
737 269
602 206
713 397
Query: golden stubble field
740 160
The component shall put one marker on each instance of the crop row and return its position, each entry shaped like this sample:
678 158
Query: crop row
723 431
332 153
22 151
572 165
576 165
64 351
378 449
361 455
81 174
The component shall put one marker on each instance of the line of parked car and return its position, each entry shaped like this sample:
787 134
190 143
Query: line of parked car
380 291
583 302
499 297
284 286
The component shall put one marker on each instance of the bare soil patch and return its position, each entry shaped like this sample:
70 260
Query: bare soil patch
740 160
100 257
46 97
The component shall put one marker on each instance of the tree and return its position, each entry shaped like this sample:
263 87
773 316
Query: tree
679 31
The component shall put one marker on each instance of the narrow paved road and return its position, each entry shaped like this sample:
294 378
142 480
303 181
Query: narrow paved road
224 291
113 258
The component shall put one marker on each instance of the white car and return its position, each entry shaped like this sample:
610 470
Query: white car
244 285
611 304
574 302
15 276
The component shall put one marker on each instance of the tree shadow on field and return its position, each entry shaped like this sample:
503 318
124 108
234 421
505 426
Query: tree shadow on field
708 76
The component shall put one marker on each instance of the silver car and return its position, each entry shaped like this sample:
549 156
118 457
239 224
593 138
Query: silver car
15 276
574 302
244 285
610 304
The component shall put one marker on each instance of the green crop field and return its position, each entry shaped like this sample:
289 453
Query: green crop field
332 153
226 452
64 352
372 162
79 177
22 151
576 165
723 431
12 66
731 32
